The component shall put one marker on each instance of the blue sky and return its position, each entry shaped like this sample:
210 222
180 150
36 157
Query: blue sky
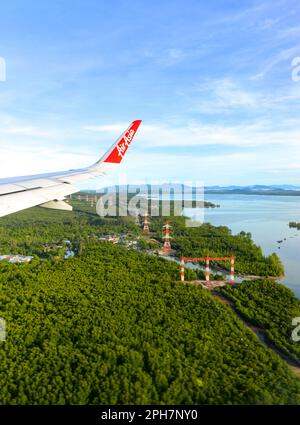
212 82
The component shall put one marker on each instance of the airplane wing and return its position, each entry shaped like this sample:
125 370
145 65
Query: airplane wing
50 190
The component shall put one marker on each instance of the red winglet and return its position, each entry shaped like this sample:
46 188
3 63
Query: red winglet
119 149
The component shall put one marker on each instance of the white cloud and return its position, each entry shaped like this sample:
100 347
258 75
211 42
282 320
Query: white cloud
239 150
33 158
270 22
262 133
232 98
223 96
227 93
106 128
167 56
291 32
284 55
25 131
256 77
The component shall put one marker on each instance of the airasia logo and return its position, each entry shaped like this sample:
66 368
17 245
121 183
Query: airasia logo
122 147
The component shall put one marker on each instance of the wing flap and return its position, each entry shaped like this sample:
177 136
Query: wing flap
14 202
10 188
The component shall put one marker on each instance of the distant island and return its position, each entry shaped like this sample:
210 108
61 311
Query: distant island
294 225
283 190
177 188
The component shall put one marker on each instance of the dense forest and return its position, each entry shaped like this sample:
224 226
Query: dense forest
28 231
271 306
219 241
113 326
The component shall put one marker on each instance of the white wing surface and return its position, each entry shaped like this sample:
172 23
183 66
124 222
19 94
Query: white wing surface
49 190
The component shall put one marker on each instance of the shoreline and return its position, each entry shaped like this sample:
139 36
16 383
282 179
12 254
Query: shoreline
292 363
249 276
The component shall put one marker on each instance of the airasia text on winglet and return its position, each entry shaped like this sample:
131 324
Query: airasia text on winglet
122 147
